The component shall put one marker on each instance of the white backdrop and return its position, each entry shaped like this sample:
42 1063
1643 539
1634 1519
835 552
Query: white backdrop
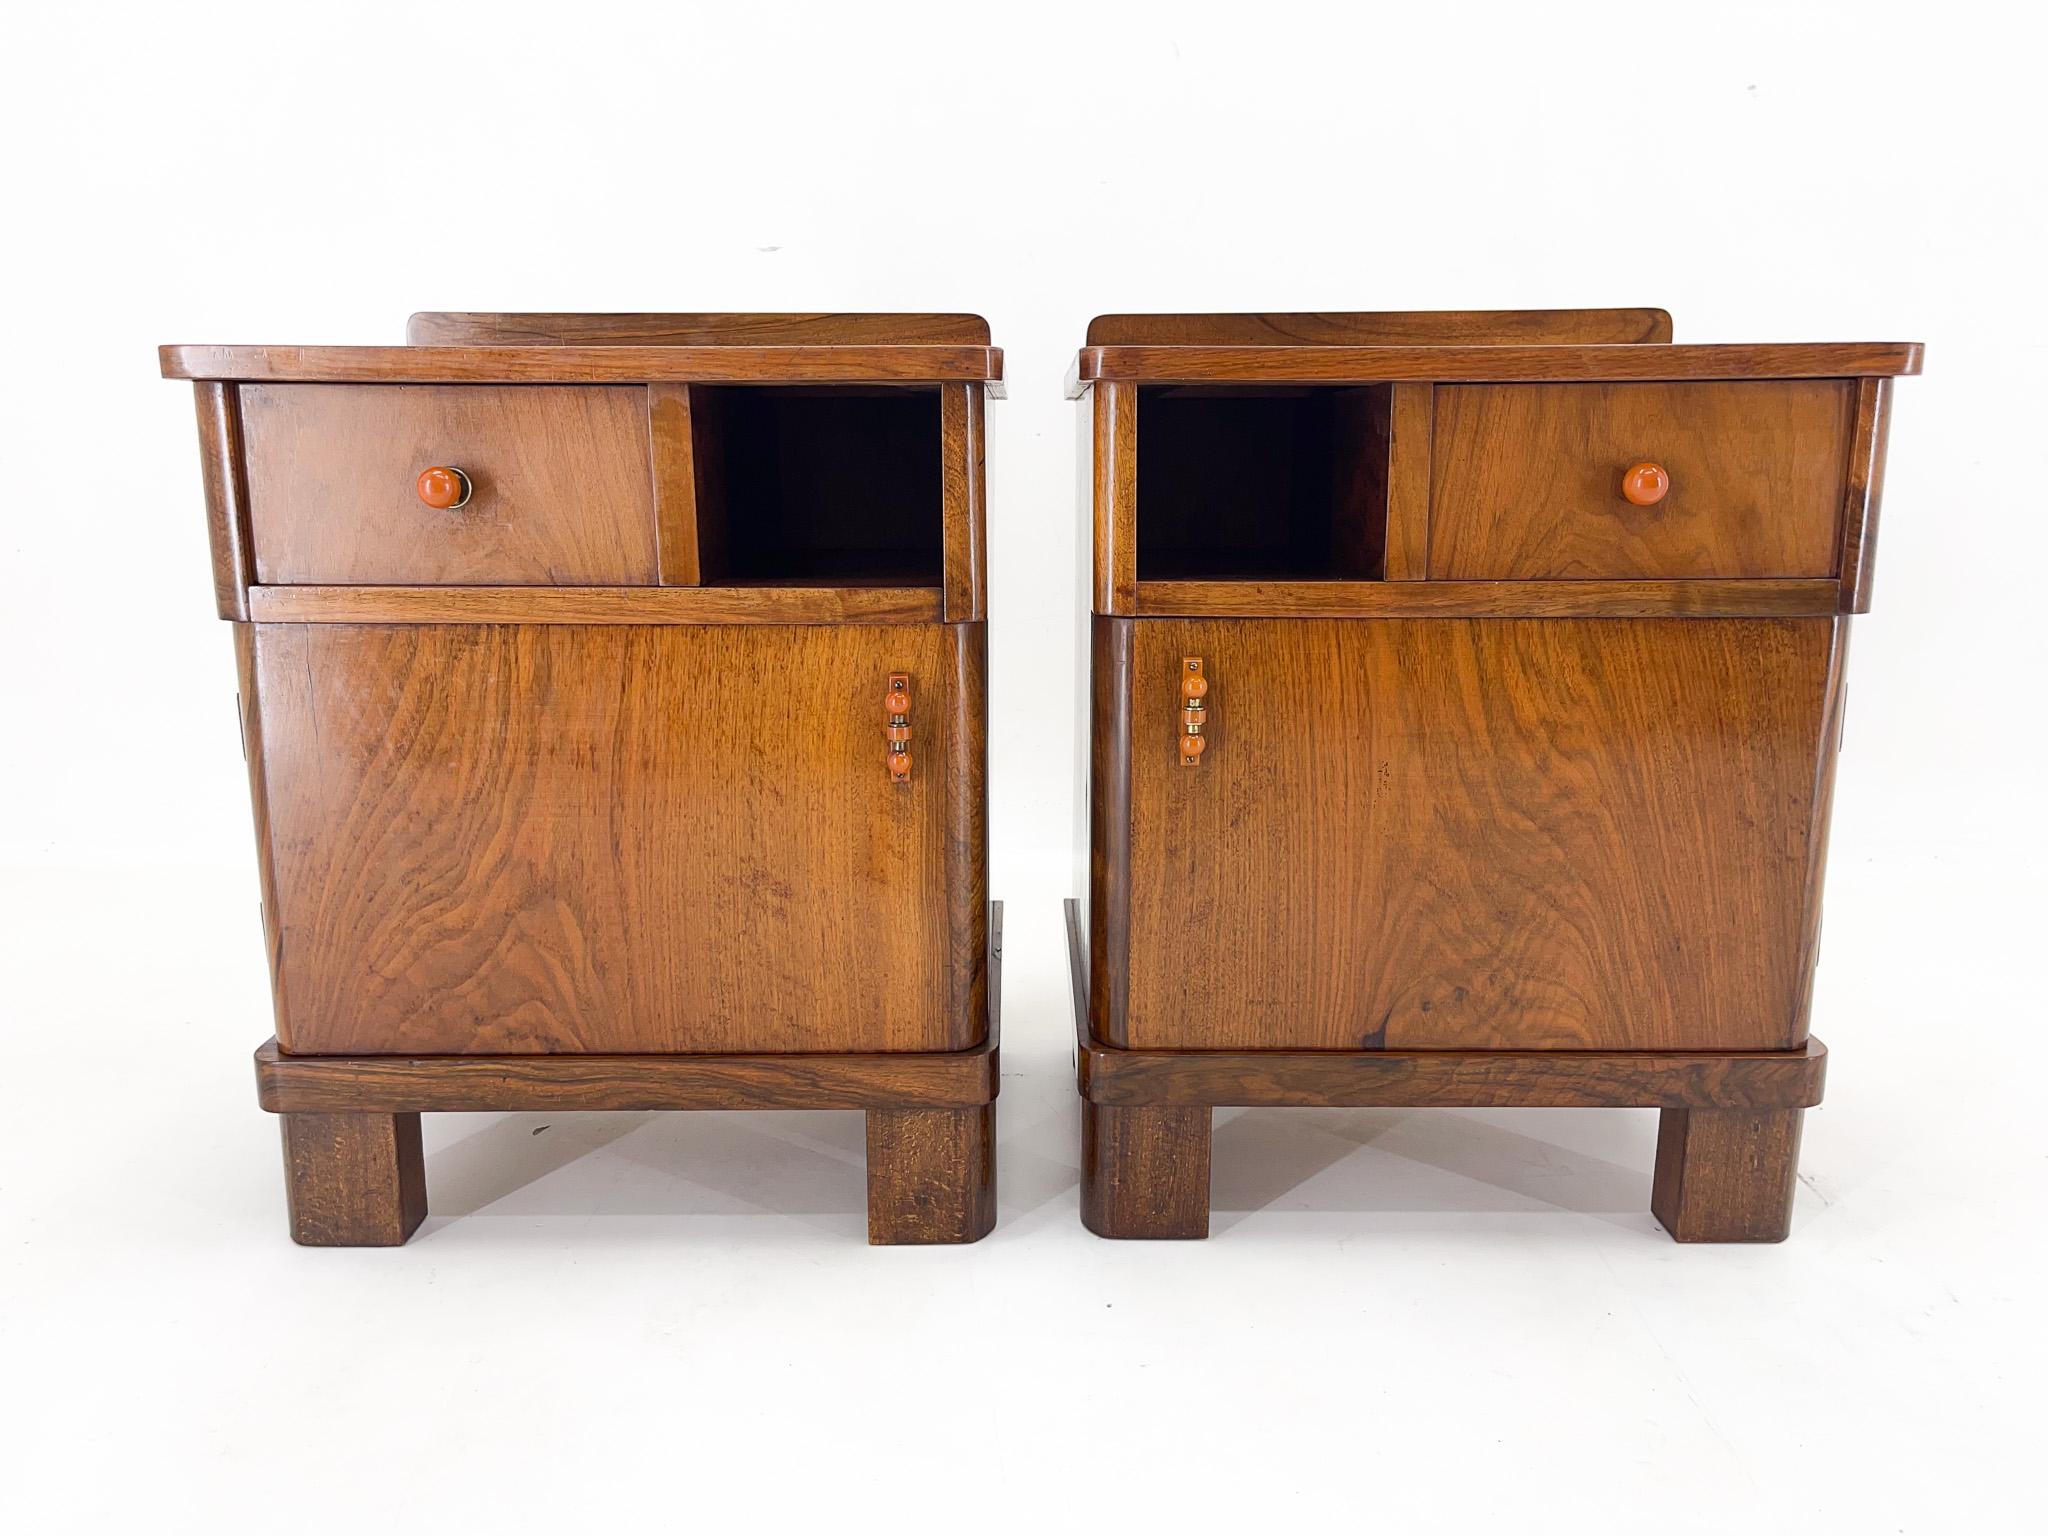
622 1315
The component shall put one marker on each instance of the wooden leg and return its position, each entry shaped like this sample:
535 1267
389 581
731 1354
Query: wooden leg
1145 1170
931 1174
1726 1175
353 1181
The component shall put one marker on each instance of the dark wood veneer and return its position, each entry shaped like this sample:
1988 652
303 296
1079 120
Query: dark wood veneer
1515 774
1146 1116
1485 365
441 328
804 364
355 1175
564 645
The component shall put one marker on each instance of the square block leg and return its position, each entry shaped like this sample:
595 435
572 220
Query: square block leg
931 1174
1145 1170
1726 1175
353 1181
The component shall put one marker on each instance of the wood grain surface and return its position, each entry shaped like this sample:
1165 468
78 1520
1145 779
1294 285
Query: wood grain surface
595 605
1107 1075
1489 599
1726 1175
1426 327
1145 1170
1115 499
963 503
672 455
1466 364
806 364
1411 423
1865 493
931 1174
1526 480
563 489
227 497
447 328
1512 834
353 1180
291 1084
506 839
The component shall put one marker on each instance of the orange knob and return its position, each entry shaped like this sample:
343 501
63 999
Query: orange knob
1194 686
1193 746
1645 484
898 702
899 764
443 487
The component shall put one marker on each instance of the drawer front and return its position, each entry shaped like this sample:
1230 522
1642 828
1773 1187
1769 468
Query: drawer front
1477 834
561 490
621 838
1527 480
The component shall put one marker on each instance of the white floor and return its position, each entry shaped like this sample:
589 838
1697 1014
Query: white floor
675 1318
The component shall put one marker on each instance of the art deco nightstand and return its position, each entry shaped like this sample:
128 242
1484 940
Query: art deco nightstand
614 697
1466 695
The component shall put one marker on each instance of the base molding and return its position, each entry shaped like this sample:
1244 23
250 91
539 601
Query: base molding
1726 1155
355 1176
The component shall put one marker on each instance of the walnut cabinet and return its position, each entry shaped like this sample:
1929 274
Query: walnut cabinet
1464 705
613 692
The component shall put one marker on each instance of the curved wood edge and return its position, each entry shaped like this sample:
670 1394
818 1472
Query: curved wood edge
1362 328
1493 365
587 365
1738 598
461 328
594 605
433 1084
440 1084
1437 1079
227 496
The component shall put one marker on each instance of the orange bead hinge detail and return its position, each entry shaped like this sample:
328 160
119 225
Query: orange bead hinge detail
898 706
1645 484
1194 710
443 487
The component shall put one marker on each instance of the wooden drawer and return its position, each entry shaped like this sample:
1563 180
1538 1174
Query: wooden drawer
562 490
1526 480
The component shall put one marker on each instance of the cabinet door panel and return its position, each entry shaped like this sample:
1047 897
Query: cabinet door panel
547 838
1485 834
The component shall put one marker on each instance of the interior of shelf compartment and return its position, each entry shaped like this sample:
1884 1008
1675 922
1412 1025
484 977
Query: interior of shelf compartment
1280 482
828 484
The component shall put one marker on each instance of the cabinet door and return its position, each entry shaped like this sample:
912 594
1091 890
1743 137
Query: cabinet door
1483 834
542 838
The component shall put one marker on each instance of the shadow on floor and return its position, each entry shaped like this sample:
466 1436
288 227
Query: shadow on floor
810 1166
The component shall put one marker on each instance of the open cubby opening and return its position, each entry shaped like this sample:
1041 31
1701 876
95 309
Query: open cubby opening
818 484
1275 483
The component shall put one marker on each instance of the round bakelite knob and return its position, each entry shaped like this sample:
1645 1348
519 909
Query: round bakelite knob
443 487
1645 484
899 763
1192 746
898 702
1194 686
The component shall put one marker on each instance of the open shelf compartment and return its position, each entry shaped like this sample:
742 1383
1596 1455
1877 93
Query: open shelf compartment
1262 483
818 485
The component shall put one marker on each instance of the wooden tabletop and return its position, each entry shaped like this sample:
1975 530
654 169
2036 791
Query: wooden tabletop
1463 364
588 364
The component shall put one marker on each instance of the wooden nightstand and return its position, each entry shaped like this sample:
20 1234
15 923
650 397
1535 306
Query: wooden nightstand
1466 694
614 696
